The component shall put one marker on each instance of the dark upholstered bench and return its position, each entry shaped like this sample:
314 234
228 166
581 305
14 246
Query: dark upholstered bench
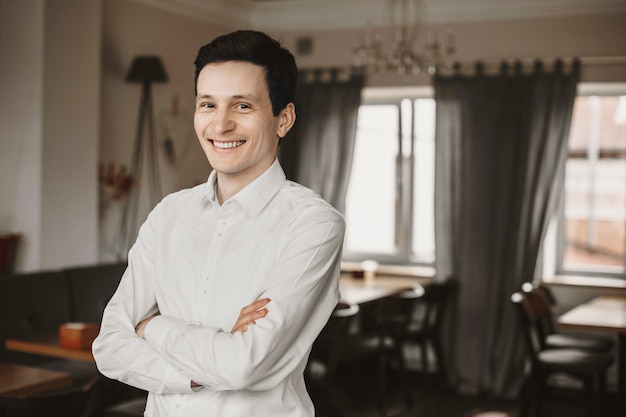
36 303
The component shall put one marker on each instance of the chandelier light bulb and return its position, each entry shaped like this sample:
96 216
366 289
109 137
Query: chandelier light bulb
408 19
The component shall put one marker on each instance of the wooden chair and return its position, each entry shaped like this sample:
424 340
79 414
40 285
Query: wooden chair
352 338
66 403
416 320
425 325
392 318
586 366
328 352
543 301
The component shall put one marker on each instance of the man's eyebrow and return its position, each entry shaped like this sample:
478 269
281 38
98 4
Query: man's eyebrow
248 97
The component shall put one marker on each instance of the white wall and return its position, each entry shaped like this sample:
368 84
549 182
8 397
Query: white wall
71 109
21 120
49 84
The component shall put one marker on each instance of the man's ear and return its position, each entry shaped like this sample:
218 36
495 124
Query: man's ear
286 119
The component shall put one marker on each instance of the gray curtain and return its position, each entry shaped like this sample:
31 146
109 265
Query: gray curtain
318 151
501 141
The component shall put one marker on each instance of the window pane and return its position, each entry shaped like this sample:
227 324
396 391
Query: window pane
595 194
370 201
423 245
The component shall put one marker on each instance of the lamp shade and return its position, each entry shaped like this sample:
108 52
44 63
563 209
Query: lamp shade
147 69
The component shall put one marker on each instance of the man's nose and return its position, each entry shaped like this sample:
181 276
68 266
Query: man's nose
222 121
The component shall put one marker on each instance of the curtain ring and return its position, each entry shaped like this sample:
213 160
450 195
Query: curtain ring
317 75
558 66
480 68
576 67
334 72
456 68
504 68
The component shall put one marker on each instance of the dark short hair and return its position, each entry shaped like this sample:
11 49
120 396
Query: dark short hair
281 72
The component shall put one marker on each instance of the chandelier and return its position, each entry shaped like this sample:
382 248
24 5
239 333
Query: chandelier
407 19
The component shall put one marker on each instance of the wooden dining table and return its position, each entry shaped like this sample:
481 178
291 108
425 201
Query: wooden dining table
48 345
358 290
604 313
19 380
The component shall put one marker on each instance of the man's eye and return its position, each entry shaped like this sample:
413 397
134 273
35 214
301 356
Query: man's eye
206 105
243 106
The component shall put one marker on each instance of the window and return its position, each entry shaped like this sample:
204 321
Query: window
591 233
390 199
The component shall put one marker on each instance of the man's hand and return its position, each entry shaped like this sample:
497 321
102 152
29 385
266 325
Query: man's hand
141 327
249 314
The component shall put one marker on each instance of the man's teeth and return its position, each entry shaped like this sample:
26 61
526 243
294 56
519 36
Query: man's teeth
227 145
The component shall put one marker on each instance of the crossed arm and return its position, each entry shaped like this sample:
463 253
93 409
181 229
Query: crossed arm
247 316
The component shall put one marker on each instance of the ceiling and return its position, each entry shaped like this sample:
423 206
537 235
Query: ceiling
295 15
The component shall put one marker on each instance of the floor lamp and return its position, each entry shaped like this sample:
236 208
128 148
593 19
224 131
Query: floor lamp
145 70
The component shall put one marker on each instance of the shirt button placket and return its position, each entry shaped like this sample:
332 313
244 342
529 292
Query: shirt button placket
205 286
221 227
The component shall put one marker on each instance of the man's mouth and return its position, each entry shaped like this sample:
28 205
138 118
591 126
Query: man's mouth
228 145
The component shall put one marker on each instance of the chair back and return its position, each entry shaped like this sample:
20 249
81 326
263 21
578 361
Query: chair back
542 307
393 314
547 294
431 306
530 323
335 329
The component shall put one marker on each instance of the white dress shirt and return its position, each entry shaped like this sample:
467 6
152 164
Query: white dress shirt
198 264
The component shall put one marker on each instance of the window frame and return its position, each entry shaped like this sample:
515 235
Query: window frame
584 90
405 171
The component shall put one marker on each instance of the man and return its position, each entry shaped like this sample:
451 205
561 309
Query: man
230 282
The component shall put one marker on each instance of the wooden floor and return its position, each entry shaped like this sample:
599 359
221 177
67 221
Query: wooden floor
359 400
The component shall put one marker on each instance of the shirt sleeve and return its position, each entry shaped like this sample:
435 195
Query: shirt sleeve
119 353
303 290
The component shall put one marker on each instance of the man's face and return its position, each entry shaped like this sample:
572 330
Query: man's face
234 121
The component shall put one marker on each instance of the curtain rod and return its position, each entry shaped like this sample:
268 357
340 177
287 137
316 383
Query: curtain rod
328 73
589 60
344 72
526 64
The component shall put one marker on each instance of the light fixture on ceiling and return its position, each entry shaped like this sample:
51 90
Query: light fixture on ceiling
408 22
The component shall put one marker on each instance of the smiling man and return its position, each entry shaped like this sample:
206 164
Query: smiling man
230 282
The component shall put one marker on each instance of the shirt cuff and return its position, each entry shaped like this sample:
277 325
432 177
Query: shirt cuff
155 333
157 330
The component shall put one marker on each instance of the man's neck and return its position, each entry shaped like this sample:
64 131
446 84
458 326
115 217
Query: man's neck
229 185
225 189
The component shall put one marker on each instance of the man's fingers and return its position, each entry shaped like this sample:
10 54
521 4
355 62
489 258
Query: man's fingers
257 305
250 318
249 314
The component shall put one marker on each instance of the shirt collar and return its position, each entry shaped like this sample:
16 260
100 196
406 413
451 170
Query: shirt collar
255 195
